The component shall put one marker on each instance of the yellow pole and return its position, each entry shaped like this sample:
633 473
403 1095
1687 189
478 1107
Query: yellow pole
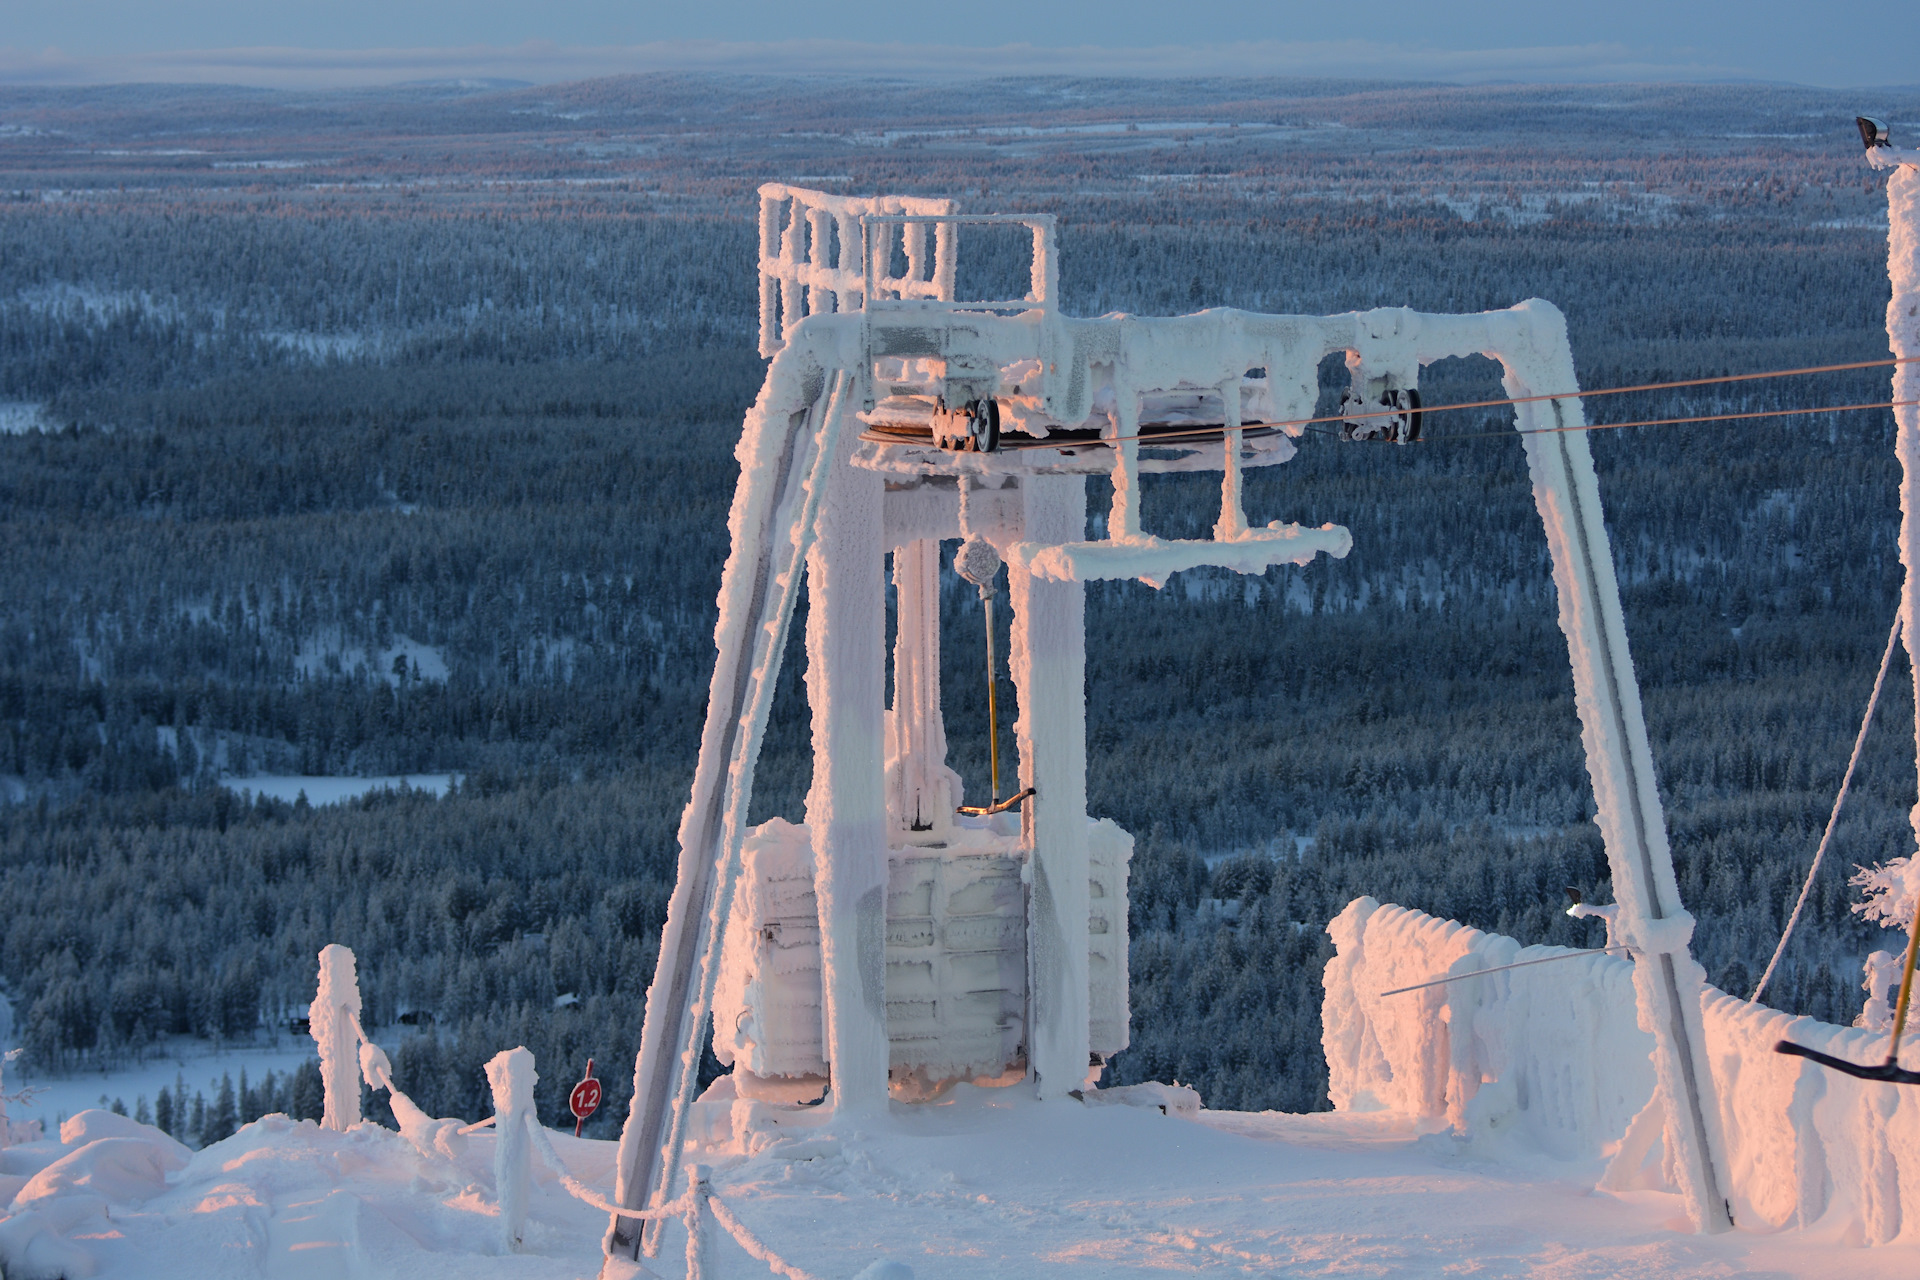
1906 987
993 719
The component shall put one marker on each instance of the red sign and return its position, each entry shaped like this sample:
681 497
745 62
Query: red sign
584 1099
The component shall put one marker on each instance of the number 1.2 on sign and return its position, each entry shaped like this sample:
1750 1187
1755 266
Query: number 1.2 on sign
584 1099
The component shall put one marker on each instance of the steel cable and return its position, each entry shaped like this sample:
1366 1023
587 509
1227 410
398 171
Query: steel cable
1833 819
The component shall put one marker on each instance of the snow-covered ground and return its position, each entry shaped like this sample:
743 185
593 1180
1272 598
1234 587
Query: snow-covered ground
983 1183
332 789
18 417
328 652
199 1063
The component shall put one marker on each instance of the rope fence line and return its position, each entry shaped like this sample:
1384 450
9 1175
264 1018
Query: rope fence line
543 1147
687 1207
752 1243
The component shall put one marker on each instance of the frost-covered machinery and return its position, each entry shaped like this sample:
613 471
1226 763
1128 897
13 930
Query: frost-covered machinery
900 938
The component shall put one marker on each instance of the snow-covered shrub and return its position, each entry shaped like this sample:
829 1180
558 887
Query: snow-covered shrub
1882 977
1888 890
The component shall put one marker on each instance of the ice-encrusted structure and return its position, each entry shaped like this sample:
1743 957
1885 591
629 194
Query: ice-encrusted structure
1555 1058
334 1021
956 962
890 944
511 1077
1903 337
1555 1049
1889 891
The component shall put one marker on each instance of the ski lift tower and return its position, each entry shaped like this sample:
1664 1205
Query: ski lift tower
1903 338
902 938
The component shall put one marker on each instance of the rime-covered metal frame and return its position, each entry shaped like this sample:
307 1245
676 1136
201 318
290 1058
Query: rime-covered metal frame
868 494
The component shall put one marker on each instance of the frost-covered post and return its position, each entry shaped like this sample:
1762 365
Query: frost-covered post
1049 661
1881 976
1903 337
512 1077
922 794
1668 981
699 1191
334 1021
847 803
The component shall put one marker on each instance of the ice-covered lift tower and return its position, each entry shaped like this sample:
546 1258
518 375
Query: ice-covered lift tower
891 943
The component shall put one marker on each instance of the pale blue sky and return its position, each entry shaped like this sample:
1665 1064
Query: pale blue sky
360 41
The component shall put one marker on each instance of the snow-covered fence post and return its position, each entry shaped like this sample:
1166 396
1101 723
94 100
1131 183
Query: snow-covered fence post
699 1191
334 1022
1882 976
512 1076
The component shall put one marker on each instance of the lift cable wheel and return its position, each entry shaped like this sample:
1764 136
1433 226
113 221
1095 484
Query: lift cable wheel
971 427
1398 422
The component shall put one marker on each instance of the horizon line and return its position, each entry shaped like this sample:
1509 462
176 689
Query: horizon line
535 63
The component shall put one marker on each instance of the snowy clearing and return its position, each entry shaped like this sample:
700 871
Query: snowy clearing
198 1062
325 789
18 417
984 1183
328 653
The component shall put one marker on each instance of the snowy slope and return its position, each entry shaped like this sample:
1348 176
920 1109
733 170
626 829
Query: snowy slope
984 1183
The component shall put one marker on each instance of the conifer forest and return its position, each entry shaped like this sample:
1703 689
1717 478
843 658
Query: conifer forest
382 433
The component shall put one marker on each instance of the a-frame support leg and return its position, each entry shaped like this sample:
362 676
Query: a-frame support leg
847 803
1049 659
1667 978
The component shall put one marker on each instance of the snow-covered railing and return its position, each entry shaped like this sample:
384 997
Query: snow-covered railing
1555 1054
1807 1143
1555 1050
816 256
1043 273
347 1056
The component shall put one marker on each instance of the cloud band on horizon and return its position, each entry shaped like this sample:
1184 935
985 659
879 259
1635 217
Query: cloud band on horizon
547 62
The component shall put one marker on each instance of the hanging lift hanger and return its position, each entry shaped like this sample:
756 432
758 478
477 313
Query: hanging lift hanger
1889 1071
978 563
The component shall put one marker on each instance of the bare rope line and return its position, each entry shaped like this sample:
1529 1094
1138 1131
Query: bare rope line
1670 422
543 1147
1833 819
1621 391
1572 954
752 1243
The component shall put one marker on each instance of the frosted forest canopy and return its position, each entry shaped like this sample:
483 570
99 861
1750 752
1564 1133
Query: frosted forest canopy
372 433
